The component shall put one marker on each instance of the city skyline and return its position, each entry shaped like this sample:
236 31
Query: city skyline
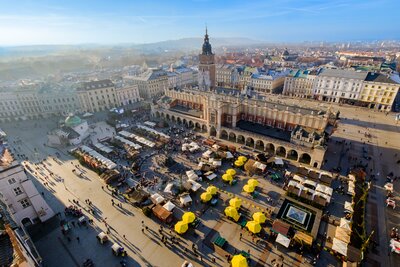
74 22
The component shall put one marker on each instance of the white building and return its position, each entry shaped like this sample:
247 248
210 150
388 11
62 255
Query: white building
336 85
128 95
24 203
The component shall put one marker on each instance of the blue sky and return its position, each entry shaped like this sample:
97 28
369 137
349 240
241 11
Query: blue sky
25 22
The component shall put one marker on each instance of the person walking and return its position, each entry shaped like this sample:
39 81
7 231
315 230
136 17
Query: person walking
77 238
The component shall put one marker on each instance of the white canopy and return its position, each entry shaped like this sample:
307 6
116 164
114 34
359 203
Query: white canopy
195 186
348 206
229 155
339 246
283 240
389 187
260 165
185 199
345 223
192 175
169 206
298 179
157 198
87 114
278 161
395 246
127 142
168 188
207 154
149 123
211 176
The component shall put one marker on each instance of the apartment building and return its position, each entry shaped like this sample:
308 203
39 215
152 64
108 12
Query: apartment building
299 83
97 95
127 95
151 83
25 104
379 91
23 201
227 76
337 85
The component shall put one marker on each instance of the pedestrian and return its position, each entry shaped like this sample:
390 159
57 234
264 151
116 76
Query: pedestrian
73 223
147 228
240 236
124 236
143 230
102 187
112 202
69 239
77 238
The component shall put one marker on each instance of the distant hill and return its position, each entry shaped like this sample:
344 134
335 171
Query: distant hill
184 44
195 43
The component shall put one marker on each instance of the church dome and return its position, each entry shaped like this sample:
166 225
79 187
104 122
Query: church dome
72 121
285 53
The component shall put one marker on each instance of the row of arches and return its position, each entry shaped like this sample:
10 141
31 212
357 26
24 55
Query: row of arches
178 120
280 151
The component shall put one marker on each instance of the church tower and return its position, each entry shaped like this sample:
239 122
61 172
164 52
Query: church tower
206 76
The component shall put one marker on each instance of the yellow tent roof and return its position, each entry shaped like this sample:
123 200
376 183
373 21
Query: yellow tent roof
239 261
252 182
242 159
259 217
253 227
227 177
212 190
248 188
206 196
231 172
235 202
188 217
303 237
181 227
239 163
231 212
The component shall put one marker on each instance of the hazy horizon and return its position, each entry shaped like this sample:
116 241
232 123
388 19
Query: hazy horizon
132 22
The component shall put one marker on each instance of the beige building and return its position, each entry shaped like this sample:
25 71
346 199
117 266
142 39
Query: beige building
31 104
299 84
128 95
288 131
266 84
227 76
97 95
379 92
151 83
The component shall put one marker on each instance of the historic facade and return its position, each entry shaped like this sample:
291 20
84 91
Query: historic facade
97 95
206 75
288 131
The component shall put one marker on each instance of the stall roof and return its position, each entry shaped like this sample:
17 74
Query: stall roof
157 198
169 206
345 223
185 199
307 239
342 234
280 227
283 240
339 246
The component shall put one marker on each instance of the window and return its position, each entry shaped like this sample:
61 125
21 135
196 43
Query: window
17 191
25 203
11 181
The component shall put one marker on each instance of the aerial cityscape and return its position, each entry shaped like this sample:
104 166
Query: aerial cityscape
199 133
